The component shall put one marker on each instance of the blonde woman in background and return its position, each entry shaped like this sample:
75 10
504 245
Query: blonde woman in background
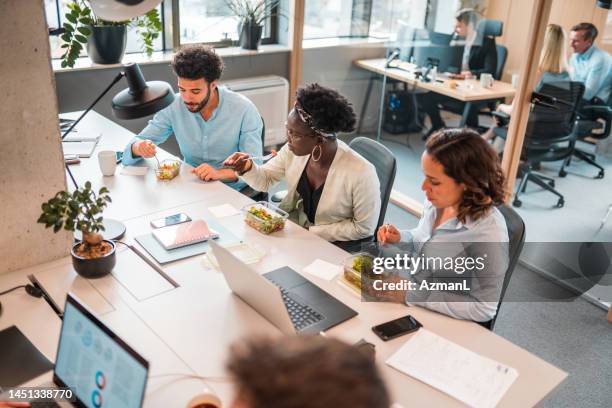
553 66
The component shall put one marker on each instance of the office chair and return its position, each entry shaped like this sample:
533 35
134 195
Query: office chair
594 122
248 190
502 57
516 236
550 134
493 28
386 166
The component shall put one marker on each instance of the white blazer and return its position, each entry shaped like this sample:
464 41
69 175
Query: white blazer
350 201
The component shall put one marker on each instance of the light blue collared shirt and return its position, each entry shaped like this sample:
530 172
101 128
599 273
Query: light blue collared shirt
594 68
235 126
487 237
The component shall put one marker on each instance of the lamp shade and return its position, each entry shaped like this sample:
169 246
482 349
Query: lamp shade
141 98
121 10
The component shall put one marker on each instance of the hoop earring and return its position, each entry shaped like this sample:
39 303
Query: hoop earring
313 153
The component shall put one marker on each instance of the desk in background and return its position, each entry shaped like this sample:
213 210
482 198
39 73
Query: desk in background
187 329
468 91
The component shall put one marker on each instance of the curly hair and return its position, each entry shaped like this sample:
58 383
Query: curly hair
330 111
197 61
467 158
306 371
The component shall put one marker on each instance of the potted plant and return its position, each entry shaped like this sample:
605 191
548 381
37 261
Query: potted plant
251 15
93 256
105 40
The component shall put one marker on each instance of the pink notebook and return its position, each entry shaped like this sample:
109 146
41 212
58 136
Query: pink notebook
184 234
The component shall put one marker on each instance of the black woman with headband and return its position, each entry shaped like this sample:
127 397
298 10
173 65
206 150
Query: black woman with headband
332 190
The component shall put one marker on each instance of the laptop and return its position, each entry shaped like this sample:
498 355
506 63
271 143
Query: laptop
284 297
98 367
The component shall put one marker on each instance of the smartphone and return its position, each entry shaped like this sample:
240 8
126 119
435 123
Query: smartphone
71 159
397 327
170 220
119 156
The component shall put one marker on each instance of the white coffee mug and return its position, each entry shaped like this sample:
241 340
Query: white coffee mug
486 80
515 78
108 162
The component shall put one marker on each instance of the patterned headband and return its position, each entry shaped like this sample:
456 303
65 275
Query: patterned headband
307 119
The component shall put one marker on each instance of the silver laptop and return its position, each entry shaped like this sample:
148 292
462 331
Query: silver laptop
96 365
284 297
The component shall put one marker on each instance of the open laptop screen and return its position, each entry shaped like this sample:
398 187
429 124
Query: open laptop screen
100 368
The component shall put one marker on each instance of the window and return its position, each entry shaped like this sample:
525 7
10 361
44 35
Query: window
55 11
327 18
389 15
361 18
211 21
380 18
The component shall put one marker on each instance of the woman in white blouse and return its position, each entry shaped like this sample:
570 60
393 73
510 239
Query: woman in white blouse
463 184
332 190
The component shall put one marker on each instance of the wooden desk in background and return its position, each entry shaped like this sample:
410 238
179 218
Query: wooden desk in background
468 91
186 330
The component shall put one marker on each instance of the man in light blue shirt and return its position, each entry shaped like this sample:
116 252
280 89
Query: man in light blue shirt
589 64
210 122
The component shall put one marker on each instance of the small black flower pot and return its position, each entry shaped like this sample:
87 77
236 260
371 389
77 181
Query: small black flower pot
250 36
106 44
97 267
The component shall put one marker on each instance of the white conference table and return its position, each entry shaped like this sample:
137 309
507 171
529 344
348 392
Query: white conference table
187 329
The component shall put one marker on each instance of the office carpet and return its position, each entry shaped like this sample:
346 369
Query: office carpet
573 335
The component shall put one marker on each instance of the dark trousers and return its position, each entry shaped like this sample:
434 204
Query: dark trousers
430 102
587 114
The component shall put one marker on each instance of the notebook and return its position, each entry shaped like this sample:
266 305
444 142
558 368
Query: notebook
82 136
81 149
184 234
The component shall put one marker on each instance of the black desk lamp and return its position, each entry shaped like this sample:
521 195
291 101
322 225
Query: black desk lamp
140 99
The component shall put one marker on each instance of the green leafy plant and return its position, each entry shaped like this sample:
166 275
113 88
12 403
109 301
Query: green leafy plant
80 18
253 11
80 211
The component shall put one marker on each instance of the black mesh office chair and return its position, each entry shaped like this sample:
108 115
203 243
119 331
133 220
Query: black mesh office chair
550 134
516 236
248 190
386 166
594 122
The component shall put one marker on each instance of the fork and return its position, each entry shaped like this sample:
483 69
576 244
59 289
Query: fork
266 157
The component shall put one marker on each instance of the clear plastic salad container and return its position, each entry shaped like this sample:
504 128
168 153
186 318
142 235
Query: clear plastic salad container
264 217
357 266
168 169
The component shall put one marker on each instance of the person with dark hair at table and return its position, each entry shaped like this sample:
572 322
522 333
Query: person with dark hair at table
479 56
464 183
590 65
209 121
305 372
331 190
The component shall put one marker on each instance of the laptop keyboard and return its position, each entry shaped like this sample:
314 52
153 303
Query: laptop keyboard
301 315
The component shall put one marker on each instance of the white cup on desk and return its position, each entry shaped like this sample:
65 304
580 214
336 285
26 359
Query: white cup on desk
108 162
486 80
515 78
